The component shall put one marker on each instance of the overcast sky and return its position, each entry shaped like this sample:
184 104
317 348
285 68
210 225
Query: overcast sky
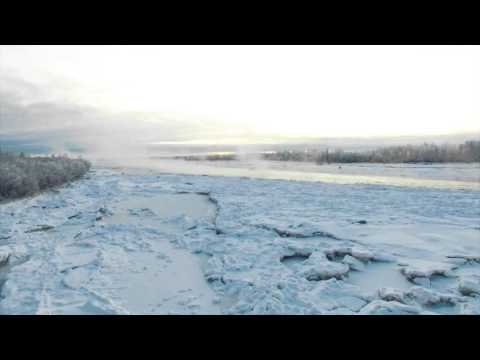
242 93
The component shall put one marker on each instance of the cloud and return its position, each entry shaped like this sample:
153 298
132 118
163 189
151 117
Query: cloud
36 112
24 113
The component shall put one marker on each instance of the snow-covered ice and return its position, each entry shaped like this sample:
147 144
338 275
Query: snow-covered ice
150 243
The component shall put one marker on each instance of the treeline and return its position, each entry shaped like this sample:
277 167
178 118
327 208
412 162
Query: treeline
426 153
21 175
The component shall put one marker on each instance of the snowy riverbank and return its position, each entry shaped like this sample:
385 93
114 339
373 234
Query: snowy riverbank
161 243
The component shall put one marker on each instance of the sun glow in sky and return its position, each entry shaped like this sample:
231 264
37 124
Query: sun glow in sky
266 91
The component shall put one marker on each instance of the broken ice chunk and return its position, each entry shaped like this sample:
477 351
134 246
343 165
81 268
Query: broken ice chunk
353 263
425 296
362 254
4 257
381 307
427 270
391 294
469 286
318 267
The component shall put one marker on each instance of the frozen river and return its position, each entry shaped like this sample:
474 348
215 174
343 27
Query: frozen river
139 240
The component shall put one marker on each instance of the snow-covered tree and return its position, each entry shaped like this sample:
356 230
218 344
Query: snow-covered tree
23 175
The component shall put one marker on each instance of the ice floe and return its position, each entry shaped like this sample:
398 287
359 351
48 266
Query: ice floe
119 243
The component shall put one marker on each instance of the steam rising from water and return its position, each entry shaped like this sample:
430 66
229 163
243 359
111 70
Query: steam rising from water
30 115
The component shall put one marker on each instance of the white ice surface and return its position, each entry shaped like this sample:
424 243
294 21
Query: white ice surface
441 176
188 244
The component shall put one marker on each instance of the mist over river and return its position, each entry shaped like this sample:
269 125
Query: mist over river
248 162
